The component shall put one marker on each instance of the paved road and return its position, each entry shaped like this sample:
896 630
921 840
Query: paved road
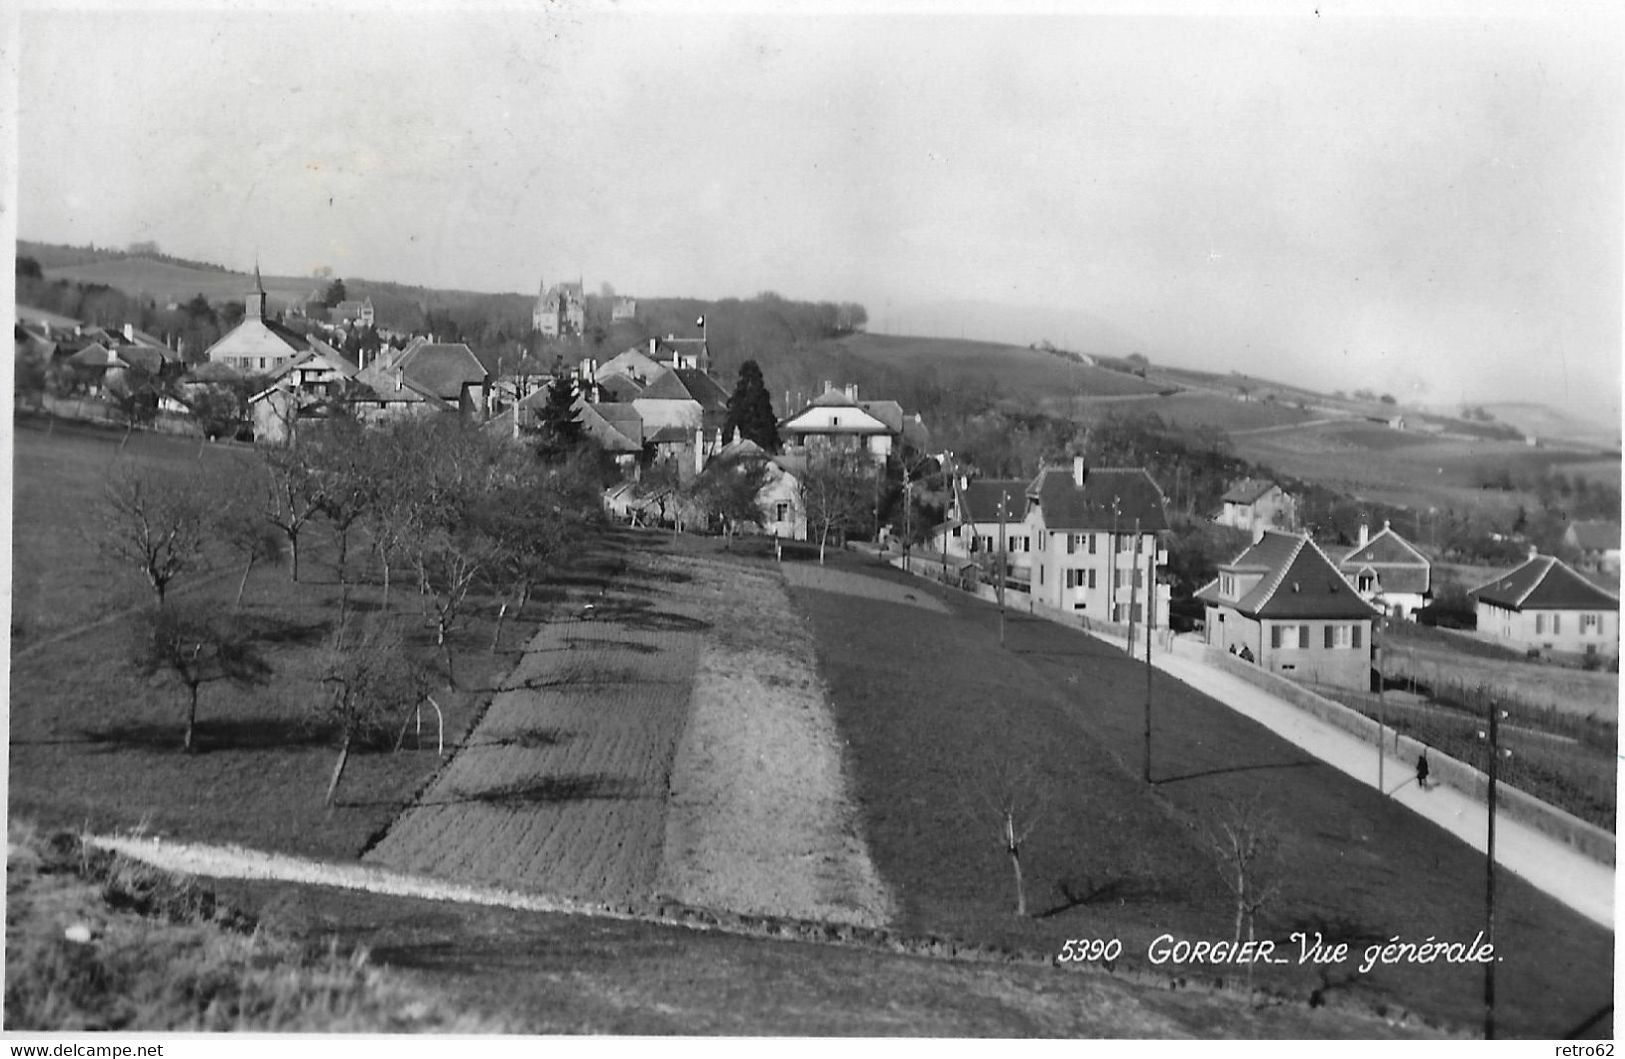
1554 867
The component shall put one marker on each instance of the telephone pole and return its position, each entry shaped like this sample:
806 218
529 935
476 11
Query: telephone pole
1003 497
1151 613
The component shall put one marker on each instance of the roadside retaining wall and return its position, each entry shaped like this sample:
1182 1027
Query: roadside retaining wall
1585 837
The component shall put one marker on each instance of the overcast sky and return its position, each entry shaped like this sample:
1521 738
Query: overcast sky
1430 205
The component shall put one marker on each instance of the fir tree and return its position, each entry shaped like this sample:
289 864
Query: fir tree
750 410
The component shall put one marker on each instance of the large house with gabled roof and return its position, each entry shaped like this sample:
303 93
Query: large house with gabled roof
1388 571
1257 503
1283 604
1597 544
1094 539
259 345
1544 605
449 370
836 420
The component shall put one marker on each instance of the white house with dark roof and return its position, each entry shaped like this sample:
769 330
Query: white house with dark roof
1258 503
1544 605
1283 604
837 420
1389 572
258 345
978 509
1093 534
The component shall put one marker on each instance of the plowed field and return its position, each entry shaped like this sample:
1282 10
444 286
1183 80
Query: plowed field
563 787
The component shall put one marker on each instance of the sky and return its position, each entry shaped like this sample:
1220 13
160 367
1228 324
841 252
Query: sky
1342 196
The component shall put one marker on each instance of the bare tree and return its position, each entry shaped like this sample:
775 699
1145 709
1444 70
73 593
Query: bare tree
369 675
293 497
1009 796
189 642
244 530
835 490
1245 839
728 492
156 524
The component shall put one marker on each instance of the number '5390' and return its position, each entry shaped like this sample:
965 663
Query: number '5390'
1088 950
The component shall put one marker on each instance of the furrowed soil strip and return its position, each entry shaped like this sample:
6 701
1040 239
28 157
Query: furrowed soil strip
561 789
760 819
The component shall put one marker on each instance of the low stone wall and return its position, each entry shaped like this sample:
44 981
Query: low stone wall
1585 837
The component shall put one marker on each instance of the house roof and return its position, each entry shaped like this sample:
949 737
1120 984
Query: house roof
888 412
1110 498
146 358
673 434
96 355
1595 536
1247 490
1394 561
617 427
979 500
442 367
704 389
321 355
619 387
389 387
1544 582
1298 581
668 386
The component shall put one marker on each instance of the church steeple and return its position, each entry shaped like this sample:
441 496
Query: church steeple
255 301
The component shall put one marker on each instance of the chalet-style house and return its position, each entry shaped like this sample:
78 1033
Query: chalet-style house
561 310
1284 605
1544 605
259 345
1388 571
836 420
1258 503
1597 543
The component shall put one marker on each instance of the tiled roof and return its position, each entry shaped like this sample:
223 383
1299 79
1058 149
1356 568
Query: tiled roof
296 341
1247 490
704 389
1109 498
389 387
979 500
96 355
1396 564
1387 548
1595 536
442 367
675 433
1298 581
1544 582
146 358
617 427
888 412
619 388
668 386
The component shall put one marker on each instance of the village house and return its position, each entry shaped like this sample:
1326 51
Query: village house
974 526
1258 503
1388 571
836 420
1543 605
1284 605
1597 544
449 370
1092 538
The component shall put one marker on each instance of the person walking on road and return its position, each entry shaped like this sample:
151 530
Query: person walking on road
1422 769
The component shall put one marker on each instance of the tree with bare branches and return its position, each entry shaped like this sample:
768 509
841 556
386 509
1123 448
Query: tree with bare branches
835 491
1245 840
189 642
293 496
156 524
370 676
1009 796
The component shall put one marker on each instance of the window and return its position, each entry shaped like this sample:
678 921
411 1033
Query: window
781 513
834 421
1340 635
1227 584
1303 637
1589 623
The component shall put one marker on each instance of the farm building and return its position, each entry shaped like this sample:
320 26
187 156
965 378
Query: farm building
1283 604
1388 571
1597 543
1544 605
1258 503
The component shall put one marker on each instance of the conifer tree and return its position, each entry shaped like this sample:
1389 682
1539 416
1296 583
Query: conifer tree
750 410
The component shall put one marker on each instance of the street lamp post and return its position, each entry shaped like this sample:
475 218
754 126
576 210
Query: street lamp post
1489 871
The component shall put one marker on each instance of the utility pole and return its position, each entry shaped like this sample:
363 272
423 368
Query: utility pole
1003 498
1489 873
1133 585
1382 715
1151 568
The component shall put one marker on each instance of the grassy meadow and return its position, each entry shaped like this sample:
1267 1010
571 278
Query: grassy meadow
932 707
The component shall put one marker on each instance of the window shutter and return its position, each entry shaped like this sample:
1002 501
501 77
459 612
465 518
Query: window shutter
1356 636
1091 544
1091 578
1071 543
1557 624
1303 637
1328 637
1275 636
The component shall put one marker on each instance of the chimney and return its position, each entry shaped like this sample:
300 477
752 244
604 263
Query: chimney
1365 533
852 391
699 449
129 333
1534 552
964 483
653 346
1079 471
398 379
1386 523
828 386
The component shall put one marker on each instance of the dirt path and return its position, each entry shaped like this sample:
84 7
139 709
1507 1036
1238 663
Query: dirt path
759 819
